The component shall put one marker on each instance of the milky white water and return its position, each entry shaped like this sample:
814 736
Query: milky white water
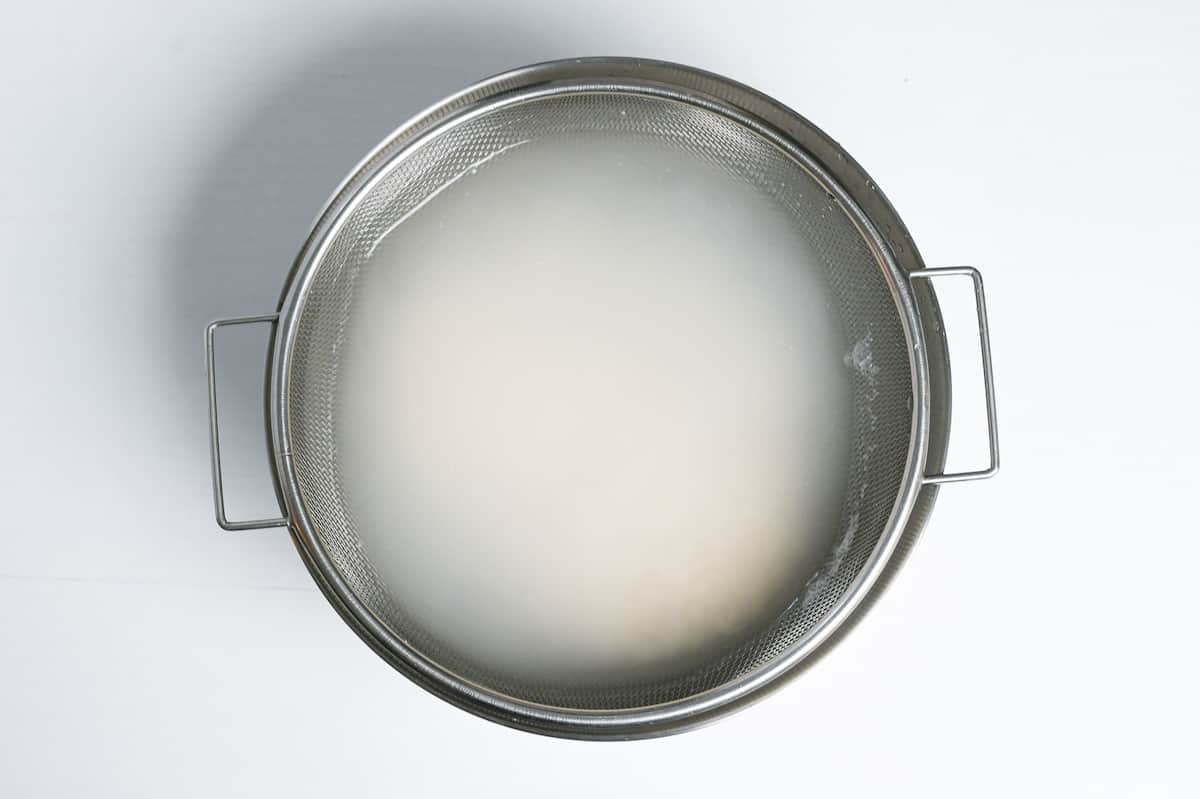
595 414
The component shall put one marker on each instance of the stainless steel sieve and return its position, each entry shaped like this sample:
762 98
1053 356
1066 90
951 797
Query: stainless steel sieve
890 320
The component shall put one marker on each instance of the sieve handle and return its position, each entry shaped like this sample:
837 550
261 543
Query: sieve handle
989 390
214 436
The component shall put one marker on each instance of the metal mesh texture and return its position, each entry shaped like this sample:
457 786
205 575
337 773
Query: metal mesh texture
877 358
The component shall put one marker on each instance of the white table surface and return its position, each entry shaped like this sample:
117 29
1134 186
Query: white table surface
161 164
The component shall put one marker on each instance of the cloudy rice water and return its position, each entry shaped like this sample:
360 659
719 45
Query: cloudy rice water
594 417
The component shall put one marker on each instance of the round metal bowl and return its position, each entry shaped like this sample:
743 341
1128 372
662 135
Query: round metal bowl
919 425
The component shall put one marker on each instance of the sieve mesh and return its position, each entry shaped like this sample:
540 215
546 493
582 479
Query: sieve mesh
876 358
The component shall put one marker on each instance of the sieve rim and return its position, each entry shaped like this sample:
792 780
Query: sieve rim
602 75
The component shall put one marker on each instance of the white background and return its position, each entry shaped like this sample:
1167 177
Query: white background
161 163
